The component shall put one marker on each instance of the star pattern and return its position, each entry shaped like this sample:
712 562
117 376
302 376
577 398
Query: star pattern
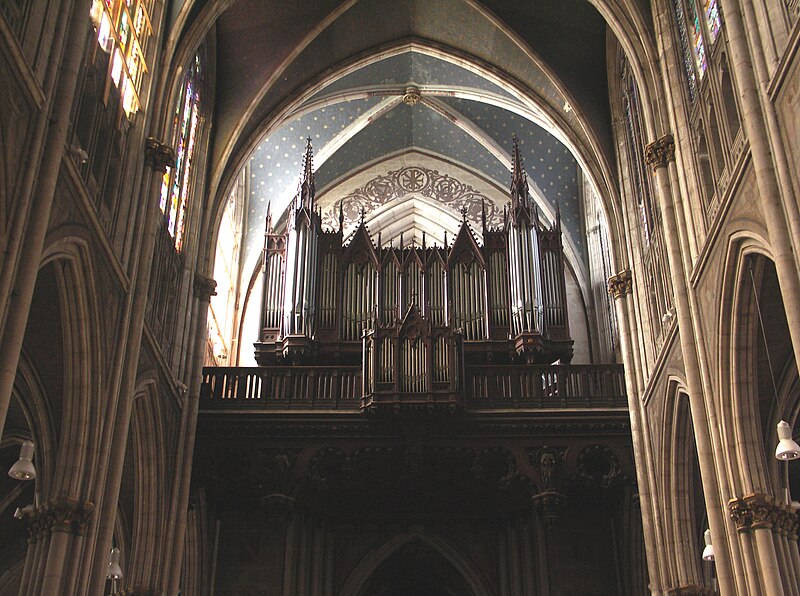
276 164
412 67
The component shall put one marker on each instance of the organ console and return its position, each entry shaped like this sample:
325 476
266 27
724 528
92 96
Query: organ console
414 316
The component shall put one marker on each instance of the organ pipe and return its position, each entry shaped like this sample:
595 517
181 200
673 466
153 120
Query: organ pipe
328 296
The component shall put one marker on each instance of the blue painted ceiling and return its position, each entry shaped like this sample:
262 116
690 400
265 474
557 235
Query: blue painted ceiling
347 134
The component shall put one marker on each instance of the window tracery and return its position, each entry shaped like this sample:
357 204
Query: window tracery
712 114
175 187
655 271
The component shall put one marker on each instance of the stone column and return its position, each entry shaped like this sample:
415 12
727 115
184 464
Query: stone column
620 287
19 303
658 155
158 157
756 514
66 518
204 288
794 553
772 200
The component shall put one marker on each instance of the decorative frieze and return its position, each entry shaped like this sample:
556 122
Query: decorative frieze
621 284
157 155
659 153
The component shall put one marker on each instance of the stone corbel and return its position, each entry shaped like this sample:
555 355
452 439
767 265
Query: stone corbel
204 287
157 155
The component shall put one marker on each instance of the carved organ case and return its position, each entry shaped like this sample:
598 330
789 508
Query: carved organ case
412 315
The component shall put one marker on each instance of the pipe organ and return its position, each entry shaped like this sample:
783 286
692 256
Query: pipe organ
412 315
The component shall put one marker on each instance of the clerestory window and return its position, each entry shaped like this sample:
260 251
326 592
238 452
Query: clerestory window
176 185
123 30
699 24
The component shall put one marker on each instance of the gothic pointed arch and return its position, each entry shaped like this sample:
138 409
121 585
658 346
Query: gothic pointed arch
359 577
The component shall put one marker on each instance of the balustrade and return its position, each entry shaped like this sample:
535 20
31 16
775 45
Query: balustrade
590 386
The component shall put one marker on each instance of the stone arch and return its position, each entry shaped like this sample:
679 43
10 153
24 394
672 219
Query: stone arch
143 476
31 399
684 505
28 419
360 575
68 256
747 416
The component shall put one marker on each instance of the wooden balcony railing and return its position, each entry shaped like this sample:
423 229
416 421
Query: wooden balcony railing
574 386
278 387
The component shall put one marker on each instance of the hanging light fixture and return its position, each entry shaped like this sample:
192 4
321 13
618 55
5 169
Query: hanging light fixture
114 570
787 448
23 469
708 551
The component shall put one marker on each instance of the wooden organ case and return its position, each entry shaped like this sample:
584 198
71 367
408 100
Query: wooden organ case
414 316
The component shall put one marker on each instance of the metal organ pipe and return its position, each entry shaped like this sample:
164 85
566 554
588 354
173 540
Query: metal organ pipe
290 279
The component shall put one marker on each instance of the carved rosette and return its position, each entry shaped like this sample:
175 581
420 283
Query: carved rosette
659 153
204 287
412 96
758 511
157 155
621 284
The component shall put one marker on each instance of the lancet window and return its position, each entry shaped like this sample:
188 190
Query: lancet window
699 25
655 274
123 29
176 185
713 114
640 180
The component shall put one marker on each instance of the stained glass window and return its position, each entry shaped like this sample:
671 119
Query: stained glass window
699 43
176 183
713 19
123 28
635 144
686 52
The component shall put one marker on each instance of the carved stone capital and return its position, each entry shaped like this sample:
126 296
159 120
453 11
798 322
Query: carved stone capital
36 521
791 525
621 284
204 287
549 504
659 153
157 155
757 511
66 514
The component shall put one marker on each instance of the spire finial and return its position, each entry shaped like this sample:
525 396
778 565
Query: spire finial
519 179
307 191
